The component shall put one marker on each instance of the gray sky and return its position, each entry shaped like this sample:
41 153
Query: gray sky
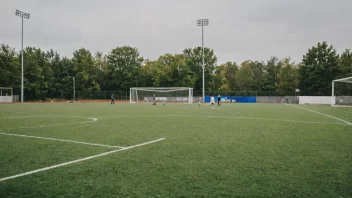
238 29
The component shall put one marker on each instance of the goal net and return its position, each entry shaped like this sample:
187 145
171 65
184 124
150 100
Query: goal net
162 94
342 92
6 94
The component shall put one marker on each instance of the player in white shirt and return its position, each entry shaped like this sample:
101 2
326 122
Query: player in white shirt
199 101
212 101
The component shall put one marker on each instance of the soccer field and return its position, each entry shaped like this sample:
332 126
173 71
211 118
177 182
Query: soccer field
140 150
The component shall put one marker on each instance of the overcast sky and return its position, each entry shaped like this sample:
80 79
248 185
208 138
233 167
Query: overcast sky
238 29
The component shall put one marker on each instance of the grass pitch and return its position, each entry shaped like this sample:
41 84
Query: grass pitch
236 150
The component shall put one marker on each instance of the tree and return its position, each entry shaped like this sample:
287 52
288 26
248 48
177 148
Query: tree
257 68
345 64
319 67
193 58
270 74
54 82
288 77
37 74
176 71
146 72
345 70
223 78
123 66
10 69
86 74
217 77
101 67
245 77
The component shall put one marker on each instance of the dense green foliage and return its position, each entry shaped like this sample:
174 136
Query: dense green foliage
252 150
47 75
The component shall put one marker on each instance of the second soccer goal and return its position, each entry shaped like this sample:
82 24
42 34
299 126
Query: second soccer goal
162 94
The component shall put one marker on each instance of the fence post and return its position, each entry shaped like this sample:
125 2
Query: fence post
90 95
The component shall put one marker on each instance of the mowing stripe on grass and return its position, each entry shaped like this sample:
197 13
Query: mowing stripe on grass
60 140
321 114
79 160
229 117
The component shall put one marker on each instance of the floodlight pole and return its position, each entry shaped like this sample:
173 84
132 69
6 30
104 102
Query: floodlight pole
27 16
332 93
203 22
22 64
203 61
74 89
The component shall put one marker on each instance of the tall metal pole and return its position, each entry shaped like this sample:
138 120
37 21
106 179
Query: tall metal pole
332 93
74 89
203 22
26 16
22 65
203 61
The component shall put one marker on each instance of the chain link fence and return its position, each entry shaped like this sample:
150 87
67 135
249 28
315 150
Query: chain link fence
125 95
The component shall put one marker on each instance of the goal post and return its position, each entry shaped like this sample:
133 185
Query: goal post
162 94
341 93
6 94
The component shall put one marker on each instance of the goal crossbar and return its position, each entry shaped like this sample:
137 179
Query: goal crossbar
346 80
160 88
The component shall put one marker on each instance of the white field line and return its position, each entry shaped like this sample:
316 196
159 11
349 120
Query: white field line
78 160
51 125
349 123
229 117
55 139
60 140
40 115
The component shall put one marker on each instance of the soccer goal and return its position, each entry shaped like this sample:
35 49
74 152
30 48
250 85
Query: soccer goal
342 92
162 94
6 94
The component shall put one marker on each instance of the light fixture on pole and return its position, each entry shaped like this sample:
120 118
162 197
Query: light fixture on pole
26 16
203 22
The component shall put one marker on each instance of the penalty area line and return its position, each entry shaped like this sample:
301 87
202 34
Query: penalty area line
349 123
78 160
53 125
60 140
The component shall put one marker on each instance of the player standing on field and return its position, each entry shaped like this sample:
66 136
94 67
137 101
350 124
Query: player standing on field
199 101
219 99
112 99
154 103
212 99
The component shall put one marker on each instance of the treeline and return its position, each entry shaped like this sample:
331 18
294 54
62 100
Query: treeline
48 75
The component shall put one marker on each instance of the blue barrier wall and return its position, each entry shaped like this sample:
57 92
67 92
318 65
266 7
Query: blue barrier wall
240 99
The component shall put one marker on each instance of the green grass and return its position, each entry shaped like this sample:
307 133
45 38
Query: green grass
236 150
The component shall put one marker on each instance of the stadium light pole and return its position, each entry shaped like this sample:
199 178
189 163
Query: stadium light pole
74 89
203 22
26 16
